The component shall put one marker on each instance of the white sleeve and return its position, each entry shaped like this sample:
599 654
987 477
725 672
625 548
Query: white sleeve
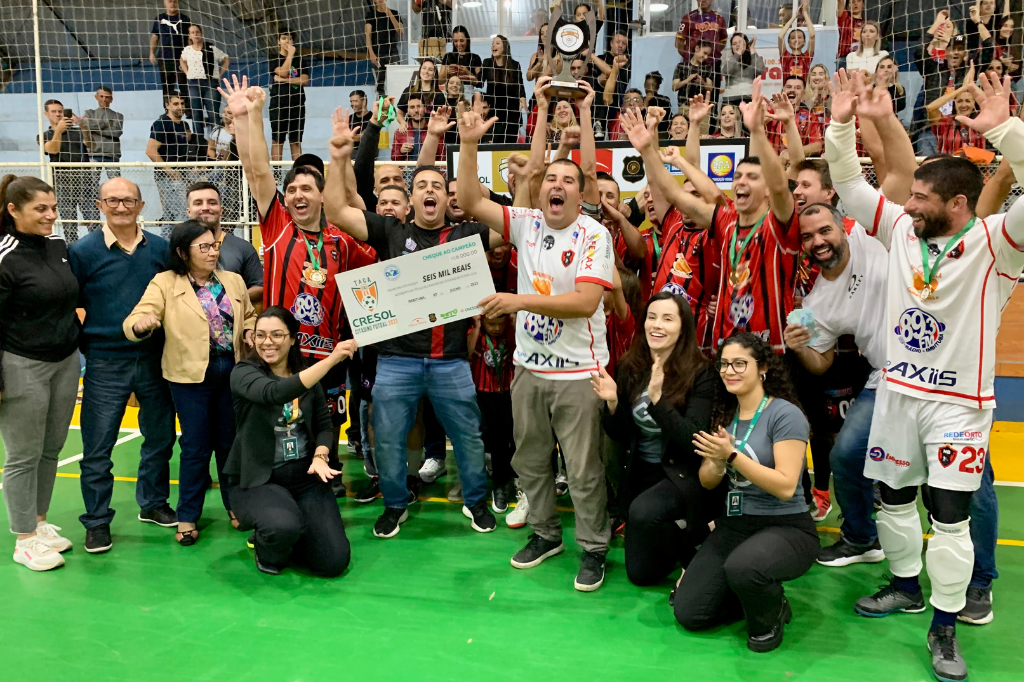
862 201
516 220
218 54
598 259
1008 138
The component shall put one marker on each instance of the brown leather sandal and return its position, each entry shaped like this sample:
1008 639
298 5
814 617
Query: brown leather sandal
187 538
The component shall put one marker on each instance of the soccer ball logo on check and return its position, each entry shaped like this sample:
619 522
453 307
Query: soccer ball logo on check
366 296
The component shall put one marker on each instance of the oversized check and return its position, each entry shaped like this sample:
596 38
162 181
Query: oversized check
416 291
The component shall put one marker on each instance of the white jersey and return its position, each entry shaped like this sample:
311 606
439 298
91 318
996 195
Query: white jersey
853 303
941 346
551 262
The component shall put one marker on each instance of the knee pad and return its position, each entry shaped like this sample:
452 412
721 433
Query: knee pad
899 533
950 564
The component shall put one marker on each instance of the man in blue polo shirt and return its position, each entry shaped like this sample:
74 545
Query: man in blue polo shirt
114 266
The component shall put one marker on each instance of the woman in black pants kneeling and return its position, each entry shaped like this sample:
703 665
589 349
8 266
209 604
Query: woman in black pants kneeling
663 398
758 441
279 458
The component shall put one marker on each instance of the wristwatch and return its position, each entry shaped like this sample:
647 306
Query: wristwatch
732 456
320 455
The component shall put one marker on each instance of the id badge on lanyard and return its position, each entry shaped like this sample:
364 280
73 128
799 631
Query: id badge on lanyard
734 503
290 445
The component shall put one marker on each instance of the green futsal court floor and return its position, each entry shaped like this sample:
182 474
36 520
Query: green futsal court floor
437 602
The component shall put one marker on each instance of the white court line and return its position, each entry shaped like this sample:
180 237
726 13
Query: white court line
120 441
1011 484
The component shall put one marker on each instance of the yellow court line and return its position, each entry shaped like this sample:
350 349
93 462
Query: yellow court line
821 529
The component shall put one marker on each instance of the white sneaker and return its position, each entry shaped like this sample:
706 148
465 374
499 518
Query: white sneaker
47 532
517 517
36 554
561 484
432 469
455 494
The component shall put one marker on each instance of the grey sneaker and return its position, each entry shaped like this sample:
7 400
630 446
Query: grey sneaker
888 600
947 663
844 553
978 610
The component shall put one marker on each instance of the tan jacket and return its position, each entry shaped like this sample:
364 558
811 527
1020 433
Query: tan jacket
172 300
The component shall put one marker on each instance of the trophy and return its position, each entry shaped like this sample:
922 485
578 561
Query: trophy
570 40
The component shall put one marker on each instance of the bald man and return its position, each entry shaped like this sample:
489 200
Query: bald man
114 266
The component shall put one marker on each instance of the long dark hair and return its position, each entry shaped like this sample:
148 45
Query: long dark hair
776 382
181 239
683 365
18 190
296 363
464 31
509 72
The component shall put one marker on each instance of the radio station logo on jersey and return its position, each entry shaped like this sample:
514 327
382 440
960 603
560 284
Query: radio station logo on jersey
365 292
543 329
307 310
722 166
918 331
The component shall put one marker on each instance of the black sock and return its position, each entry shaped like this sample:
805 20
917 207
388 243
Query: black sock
909 585
943 619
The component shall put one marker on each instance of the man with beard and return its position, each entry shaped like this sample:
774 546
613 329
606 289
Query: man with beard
950 276
407 145
202 204
302 251
806 122
432 362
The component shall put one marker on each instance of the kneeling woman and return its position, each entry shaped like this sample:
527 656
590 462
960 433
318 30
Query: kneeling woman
758 441
663 398
279 459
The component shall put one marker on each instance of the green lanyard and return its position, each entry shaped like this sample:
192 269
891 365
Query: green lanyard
497 357
734 254
315 275
928 270
736 420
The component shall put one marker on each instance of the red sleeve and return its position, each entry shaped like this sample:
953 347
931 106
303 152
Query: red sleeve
788 234
396 146
359 254
724 218
684 29
274 223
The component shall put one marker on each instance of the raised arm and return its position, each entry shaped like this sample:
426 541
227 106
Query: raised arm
246 103
472 127
806 11
437 126
588 146
700 107
782 110
701 182
336 204
782 34
875 110
779 196
611 79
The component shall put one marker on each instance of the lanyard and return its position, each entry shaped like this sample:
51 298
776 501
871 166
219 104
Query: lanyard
497 356
736 420
291 412
734 254
314 261
929 269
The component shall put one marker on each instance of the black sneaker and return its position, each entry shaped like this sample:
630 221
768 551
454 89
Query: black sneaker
414 484
161 516
387 525
978 610
482 518
536 551
591 573
264 567
369 492
355 448
844 553
97 540
888 600
338 487
772 639
947 663
499 499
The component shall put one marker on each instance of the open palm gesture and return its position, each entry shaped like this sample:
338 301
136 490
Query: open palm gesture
699 109
636 131
753 111
342 137
993 100
782 108
472 126
844 96
235 94
440 121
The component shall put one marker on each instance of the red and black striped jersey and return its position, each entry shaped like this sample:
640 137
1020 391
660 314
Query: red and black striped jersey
492 363
290 282
621 333
762 295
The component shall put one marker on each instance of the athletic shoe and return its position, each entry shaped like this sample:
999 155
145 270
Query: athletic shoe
338 488
250 541
355 448
978 610
947 663
432 469
369 492
264 567
455 494
888 600
97 540
772 639
499 499
414 484
36 554
561 484
517 517
591 573
387 525
822 504
844 553
488 466
536 551
161 516
482 518
47 532
368 465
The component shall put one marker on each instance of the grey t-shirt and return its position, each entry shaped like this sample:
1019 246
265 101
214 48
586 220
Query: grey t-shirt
781 420
649 445
240 257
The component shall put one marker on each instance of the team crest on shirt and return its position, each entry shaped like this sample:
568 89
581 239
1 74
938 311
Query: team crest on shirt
957 251
947 455
366 295
307 310
681 268
410 244
548 243
567 257
741 310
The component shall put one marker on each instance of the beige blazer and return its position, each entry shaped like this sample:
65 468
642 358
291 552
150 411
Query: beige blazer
172 300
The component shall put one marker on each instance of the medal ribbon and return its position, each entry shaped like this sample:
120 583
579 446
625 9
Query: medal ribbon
314 260
928 270
734 254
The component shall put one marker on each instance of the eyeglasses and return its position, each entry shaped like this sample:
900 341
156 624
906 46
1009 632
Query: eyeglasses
738 366
112 202
205 248
633 100
276 337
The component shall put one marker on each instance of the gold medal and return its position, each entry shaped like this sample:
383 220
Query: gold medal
734 278
317 276
926 292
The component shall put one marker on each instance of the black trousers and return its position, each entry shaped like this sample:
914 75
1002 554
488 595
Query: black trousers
496 429
296 518
655 545
172 80
743 564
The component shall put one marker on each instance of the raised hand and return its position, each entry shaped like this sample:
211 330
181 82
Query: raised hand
782 108
638 134
969 78
611 210
604 386
671 156
570 137
753 111
993 100
440 121
256 96
234 93
589 99
700 107
844 97
655 115
657 380
875 103
342 137
472 126
540 91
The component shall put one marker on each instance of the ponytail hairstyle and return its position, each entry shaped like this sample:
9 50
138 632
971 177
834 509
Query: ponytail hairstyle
776 382
18 190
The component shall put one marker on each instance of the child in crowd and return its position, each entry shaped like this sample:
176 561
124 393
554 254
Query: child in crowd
797 49
491 364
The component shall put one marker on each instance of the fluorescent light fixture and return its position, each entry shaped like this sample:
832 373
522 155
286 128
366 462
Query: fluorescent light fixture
658 6
471 3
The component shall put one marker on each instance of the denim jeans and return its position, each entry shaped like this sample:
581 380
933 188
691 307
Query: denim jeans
400 385
985 528
172 198
202 100
112 171
854 491
207 426
107 386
